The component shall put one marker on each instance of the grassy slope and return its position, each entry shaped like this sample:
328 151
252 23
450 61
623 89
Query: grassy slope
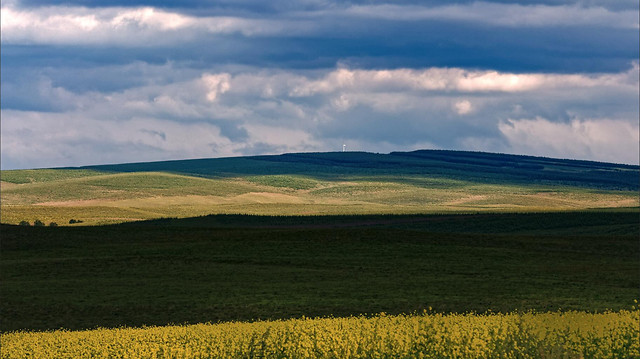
474 166
242 268
133 196
322 183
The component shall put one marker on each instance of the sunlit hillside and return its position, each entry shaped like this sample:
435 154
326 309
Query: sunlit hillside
316 183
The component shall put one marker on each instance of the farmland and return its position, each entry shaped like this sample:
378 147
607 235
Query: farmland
260 244
221 268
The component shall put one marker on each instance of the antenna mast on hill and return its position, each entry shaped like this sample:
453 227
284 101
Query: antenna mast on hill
344 147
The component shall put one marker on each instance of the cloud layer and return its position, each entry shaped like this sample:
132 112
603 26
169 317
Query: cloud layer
137 82
256 111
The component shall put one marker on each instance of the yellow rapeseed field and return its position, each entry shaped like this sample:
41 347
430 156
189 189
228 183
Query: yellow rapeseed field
427 335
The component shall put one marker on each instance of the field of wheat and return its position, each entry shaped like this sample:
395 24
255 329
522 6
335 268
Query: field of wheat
427 335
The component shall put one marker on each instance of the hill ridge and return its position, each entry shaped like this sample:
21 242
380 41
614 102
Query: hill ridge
466 165
473 154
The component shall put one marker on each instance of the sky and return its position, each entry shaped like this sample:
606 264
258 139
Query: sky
93 82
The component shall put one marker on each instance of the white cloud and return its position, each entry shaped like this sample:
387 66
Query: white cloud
283 138
342 102
219 113
145 26
463 107
338 79
150 18
216 84
34 139
454 80
149 26
599 139
509 15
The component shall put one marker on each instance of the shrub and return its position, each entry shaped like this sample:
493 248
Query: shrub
53 224
25 223
38 223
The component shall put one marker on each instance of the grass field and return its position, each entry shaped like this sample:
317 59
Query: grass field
315 184
221 268
112 198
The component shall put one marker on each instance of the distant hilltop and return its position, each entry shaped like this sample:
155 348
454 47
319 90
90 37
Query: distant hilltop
466 165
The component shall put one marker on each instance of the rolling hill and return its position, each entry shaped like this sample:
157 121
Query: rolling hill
338 183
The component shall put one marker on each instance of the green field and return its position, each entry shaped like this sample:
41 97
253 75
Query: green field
103 199
221 268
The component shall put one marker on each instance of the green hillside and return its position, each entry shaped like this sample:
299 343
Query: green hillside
337 183
475 166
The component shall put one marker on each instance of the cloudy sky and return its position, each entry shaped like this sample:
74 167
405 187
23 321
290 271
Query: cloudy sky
90 82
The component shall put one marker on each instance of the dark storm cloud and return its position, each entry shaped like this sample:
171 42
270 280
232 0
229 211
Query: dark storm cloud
579 49
321 40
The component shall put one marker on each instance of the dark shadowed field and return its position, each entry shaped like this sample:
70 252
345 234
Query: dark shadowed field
221 268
